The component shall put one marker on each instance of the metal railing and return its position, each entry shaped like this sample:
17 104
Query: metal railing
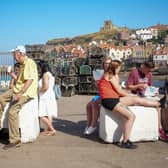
6 59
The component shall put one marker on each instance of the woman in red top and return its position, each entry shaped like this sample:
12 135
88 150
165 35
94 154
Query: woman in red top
117 99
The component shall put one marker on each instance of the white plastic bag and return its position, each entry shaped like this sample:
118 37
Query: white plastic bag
151 91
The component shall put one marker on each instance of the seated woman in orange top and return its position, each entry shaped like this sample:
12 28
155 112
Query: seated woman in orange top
117 99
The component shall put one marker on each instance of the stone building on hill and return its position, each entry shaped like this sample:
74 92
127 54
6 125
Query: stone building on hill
108 26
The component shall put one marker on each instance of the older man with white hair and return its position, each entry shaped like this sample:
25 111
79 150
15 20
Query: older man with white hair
23 91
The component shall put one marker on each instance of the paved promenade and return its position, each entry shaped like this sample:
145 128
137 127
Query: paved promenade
70 149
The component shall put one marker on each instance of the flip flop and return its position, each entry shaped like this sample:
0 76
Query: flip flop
44 133
51 133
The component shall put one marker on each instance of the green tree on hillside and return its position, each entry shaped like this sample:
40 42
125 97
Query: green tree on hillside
161 37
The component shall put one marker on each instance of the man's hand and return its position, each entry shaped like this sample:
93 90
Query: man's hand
17 97
142 86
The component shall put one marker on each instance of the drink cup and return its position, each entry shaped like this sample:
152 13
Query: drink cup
9 69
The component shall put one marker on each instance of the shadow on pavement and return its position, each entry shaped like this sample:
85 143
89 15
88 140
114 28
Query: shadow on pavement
4 136
75 129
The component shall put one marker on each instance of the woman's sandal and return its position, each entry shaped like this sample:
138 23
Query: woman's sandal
51 133
44 133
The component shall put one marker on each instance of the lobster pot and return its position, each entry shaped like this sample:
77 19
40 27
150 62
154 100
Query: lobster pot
85 70
57 80
68 92
68 85
87 85
86 79
96 63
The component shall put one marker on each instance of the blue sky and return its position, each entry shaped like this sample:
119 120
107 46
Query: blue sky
36 21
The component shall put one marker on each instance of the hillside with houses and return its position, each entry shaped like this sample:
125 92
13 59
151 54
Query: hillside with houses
118 42
72 60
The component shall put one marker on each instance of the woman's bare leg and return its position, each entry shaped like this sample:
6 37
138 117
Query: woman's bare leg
52 127
89 113
128 123
96 112
135 100
131 100
48 122
159 117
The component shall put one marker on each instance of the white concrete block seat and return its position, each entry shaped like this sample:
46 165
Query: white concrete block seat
29 121
145 127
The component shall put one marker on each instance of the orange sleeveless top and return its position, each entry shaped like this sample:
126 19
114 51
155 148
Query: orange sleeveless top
106 90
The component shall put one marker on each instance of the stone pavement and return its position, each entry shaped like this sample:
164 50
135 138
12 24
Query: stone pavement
70 149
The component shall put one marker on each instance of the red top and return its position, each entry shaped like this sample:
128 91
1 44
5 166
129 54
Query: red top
106 90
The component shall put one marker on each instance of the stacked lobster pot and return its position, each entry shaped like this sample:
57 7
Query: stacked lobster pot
86 82
69 79
95 62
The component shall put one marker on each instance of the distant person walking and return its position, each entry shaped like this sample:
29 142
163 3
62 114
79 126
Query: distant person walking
47 100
